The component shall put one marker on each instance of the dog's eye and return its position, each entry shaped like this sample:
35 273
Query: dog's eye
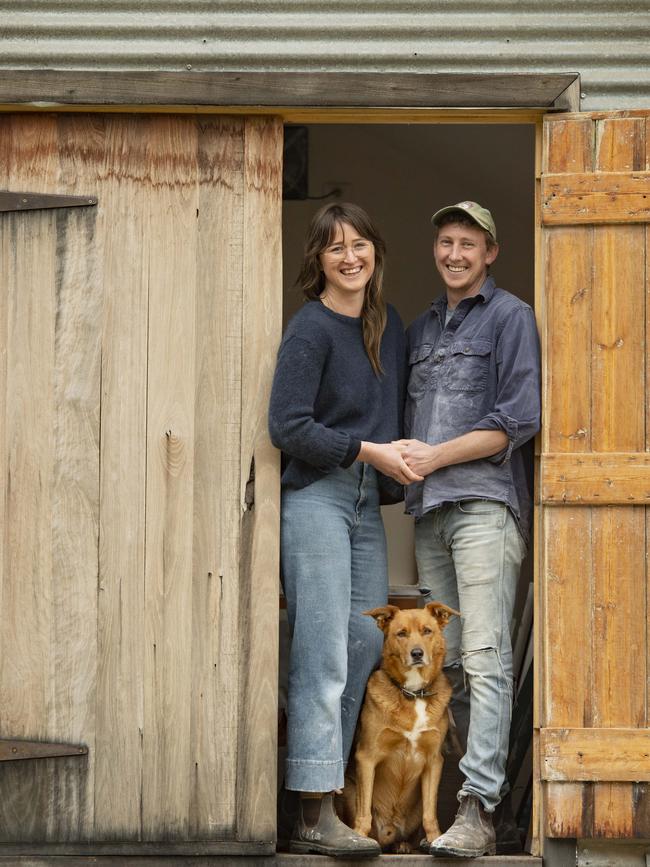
402 633
427 631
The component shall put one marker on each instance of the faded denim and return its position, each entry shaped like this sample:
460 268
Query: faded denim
468 556
334 567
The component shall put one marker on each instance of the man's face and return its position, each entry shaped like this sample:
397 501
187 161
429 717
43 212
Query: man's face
462 258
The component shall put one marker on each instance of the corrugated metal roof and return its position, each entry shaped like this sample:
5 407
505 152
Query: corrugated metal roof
610 49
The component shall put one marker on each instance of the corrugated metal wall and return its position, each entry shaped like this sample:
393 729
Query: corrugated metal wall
606 41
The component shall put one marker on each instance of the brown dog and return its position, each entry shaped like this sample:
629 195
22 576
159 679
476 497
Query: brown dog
402 726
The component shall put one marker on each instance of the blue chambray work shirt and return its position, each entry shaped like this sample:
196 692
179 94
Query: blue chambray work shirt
480 372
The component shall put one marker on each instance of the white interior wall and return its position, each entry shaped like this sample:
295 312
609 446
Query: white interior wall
401 174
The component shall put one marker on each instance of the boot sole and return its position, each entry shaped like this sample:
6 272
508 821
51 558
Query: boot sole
443 851
300 848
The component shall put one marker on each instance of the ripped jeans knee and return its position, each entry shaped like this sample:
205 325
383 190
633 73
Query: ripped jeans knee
490 702
484 671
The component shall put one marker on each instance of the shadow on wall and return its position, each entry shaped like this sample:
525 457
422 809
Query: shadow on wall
401 174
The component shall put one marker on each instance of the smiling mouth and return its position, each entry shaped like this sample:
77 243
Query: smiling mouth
351 272
456 269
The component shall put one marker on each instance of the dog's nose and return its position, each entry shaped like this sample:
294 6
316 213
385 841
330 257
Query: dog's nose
416 654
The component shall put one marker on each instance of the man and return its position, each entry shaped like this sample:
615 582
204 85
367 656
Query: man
473 401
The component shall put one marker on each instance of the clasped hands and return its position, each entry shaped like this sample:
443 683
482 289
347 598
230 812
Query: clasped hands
406 461
418 456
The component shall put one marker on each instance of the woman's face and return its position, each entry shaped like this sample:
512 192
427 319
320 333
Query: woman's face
348 262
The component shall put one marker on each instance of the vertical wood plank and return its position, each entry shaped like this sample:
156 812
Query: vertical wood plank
75 504
259 558
215 612
618 387
567 383
26 675
567 307
566 427
122 227
618 329
55 302
567 674
619 654
172 242
6 257
647 300
618 351
642 790
568 145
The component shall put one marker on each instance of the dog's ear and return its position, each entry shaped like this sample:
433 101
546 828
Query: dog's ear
383 616
443 613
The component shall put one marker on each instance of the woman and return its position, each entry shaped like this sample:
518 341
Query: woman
336 405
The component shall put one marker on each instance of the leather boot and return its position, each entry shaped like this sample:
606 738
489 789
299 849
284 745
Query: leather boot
329 836
471 835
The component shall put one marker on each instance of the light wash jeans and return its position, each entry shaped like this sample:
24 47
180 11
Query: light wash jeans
334 567
468 556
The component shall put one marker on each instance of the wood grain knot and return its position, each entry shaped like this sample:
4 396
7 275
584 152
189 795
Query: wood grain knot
173 452
578 295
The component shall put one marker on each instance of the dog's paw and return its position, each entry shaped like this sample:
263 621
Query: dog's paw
403 848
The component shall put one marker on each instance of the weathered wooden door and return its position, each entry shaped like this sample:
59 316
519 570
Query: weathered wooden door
138 572
594 739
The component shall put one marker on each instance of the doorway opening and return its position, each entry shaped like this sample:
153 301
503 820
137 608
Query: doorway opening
400 174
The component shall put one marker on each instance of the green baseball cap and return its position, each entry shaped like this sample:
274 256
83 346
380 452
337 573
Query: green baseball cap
480 215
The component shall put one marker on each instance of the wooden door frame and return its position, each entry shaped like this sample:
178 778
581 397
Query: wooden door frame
324 98
282 93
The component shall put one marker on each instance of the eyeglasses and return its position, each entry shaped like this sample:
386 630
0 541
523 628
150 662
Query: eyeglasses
340 251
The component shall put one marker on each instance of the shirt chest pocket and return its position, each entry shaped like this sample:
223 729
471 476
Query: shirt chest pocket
468 365
421 362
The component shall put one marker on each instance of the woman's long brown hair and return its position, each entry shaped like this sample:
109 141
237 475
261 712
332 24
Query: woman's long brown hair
311 279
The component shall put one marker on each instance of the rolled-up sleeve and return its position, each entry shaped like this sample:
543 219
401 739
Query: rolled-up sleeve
517 406
291 410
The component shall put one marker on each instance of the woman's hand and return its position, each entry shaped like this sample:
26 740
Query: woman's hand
418 456
386 458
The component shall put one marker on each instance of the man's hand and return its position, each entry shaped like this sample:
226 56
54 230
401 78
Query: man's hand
472 446
386 458
418 456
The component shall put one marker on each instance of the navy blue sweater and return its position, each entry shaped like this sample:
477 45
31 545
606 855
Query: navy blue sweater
326 397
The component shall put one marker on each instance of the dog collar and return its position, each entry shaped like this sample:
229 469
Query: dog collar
412 694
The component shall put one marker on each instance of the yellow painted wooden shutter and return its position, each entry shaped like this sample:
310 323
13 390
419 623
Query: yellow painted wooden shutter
594 740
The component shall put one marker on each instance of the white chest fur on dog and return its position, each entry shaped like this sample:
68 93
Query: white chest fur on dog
420 724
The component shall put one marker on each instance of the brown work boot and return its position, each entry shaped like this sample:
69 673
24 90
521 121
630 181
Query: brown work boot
328 835
471 835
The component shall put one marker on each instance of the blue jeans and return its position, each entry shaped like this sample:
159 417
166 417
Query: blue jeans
334 567
468 557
